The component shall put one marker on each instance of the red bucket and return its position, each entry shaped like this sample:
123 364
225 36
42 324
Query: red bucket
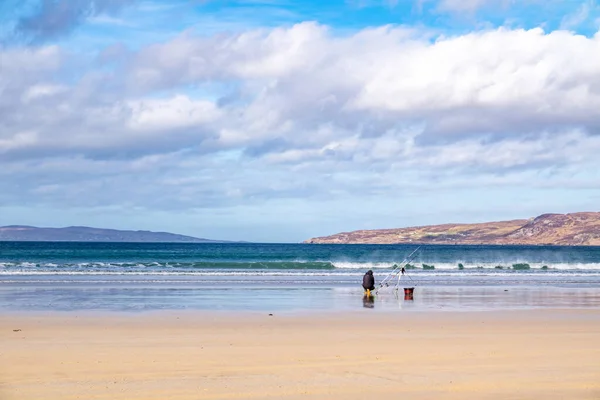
408 293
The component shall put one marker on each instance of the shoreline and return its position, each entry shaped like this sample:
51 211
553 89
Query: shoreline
181 355
74 297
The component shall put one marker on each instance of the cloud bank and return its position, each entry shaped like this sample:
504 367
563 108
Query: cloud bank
298 113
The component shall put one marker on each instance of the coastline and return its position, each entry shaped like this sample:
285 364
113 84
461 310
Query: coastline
529 354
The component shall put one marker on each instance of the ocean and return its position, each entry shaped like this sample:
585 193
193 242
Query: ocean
68 276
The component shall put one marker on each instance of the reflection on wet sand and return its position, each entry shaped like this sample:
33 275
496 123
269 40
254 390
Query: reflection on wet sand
493 298
163 295
368 301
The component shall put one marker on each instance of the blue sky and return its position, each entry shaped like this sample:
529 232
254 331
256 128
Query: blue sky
281 120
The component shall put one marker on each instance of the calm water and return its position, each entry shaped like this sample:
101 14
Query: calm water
289 277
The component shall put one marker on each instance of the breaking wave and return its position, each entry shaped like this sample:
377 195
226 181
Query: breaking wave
276 267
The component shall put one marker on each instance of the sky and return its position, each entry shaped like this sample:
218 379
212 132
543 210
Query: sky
282 120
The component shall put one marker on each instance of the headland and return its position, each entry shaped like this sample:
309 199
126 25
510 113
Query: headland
26 233
577 229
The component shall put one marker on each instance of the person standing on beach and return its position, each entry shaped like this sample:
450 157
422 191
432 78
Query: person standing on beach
368 282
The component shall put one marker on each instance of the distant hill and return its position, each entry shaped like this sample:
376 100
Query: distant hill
87 234
554 229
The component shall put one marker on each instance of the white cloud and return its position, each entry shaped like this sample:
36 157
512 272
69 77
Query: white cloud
579 16
19 140
501 80
104 19
42 90
299 113
464 5
169 114
308 89
565 148
470 6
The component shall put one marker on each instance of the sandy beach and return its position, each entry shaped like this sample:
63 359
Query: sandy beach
549 354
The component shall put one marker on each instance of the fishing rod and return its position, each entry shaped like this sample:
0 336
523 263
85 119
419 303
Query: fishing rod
395 270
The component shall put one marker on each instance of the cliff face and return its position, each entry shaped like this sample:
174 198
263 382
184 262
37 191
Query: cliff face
558 229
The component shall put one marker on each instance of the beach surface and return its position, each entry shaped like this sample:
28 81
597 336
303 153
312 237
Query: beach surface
532 354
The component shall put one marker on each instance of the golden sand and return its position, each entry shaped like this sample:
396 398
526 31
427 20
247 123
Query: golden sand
551 354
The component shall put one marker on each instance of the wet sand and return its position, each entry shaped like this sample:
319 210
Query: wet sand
534 354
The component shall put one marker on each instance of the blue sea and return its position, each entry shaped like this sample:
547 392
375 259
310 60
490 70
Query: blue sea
67 276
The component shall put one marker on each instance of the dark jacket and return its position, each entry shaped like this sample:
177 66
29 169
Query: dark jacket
369 280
